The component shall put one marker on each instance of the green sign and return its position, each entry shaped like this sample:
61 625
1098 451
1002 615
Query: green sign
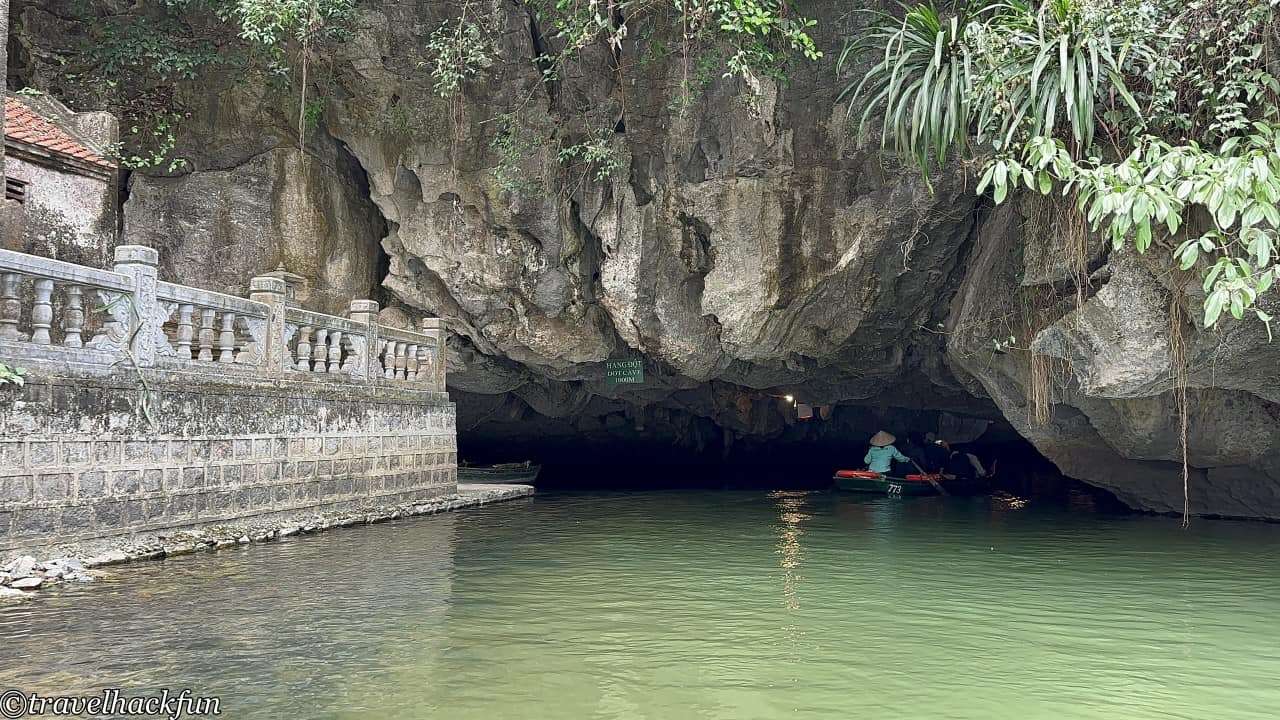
619 372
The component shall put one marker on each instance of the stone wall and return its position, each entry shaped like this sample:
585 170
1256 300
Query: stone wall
151 405
69 209
70 217
80 459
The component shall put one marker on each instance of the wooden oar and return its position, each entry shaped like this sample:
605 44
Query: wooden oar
936 485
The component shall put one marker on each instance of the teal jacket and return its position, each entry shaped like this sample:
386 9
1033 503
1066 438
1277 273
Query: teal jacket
880 459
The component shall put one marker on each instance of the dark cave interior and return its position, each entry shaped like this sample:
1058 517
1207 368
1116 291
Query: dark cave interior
668 451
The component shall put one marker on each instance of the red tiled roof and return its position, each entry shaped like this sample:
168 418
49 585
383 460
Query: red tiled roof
22 124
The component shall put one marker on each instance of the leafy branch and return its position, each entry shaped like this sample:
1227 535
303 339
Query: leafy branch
1149 114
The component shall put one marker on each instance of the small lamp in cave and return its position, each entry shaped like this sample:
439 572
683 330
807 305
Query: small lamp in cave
790 398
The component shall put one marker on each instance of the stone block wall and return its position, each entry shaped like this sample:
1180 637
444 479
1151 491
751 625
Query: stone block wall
151 405
93 457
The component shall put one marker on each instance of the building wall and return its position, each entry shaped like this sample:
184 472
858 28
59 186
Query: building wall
79 457
65 216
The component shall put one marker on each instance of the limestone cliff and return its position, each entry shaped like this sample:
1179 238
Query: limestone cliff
745 247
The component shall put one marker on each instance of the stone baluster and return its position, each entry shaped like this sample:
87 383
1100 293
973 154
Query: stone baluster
42 312
269 340
365 360
227 338
434 328
139 263
411 363
185 330
335 352
10 307
320 353
206 335
426 364
401 350
73 317
304 348
389 360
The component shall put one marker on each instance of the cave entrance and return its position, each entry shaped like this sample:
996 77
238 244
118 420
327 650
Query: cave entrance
665 450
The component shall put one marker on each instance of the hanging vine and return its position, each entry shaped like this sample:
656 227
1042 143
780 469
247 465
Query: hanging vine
1178 365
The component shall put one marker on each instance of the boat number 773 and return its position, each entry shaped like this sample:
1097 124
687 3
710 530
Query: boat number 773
895 489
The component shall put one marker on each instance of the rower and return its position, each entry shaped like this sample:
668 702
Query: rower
882 453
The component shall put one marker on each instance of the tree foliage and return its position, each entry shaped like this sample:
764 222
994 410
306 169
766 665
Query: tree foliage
752 39
12 375
763 34
136 62
1154 116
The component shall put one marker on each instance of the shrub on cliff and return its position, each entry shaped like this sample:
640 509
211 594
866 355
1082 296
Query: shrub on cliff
1152 116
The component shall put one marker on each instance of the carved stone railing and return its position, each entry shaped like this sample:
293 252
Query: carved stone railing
412 356
326 344
53 310
57 310
199 326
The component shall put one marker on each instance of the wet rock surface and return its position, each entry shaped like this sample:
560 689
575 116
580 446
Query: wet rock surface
1107 370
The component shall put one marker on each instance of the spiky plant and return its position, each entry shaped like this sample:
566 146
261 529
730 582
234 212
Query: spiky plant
920 85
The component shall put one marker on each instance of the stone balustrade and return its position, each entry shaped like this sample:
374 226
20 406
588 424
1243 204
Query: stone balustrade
56 308
200 326
56 311
150 405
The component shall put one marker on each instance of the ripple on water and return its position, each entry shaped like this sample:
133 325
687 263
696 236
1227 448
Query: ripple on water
691 605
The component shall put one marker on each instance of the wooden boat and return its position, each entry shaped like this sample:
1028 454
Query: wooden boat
503 473
867 481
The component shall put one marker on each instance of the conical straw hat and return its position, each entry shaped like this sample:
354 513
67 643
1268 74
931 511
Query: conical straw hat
882 438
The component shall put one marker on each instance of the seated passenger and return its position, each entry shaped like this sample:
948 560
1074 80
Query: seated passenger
913 447
959 467
979 469
935 454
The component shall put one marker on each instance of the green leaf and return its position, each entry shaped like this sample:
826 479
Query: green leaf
1141 206
1045 182
1261 168
1142 239
1118 83
1188 256
986 178
1270 214
1266 320
1213 306
1260 248
1214 273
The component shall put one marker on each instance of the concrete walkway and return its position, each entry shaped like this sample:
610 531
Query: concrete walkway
484 493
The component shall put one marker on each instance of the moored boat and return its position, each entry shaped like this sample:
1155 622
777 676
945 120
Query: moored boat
503 473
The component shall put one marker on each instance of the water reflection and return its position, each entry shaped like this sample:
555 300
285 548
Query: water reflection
304 617
792 516
666 605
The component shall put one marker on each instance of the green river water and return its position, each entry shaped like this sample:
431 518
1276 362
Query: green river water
671 605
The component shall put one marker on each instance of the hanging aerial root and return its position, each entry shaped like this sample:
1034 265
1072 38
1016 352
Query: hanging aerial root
1178 364
1040 389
